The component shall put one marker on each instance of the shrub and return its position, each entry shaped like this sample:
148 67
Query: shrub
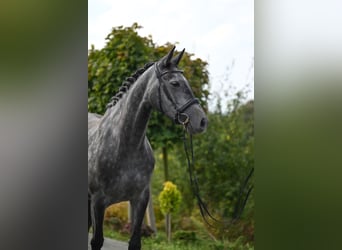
169 198
119 210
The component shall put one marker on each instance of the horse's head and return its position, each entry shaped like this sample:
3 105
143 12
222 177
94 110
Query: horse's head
174 96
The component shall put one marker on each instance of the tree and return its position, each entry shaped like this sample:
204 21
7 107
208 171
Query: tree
124 52
225 157
169 200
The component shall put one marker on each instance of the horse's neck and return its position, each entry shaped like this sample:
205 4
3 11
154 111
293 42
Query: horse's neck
131 117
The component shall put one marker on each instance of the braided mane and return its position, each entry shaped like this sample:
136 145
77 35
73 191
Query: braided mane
127 84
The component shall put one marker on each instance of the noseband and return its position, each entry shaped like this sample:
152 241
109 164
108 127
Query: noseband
180 117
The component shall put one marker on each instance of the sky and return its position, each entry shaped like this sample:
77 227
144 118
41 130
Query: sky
220 32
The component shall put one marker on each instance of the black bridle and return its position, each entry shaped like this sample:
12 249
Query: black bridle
180 117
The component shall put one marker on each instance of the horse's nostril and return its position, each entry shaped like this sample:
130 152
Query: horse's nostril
203 123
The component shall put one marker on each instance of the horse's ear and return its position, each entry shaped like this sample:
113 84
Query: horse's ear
168 57
176 60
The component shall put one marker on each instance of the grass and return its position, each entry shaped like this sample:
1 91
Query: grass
112 234
159 242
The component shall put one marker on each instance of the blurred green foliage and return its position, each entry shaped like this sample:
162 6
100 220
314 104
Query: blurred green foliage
225 155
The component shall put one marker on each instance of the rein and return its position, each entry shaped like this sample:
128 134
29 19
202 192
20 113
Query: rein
193 178
239 206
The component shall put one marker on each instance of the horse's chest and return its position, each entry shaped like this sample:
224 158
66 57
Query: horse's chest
134 171
128 176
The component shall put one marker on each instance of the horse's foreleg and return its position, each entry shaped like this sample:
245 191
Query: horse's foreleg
138 208
98 209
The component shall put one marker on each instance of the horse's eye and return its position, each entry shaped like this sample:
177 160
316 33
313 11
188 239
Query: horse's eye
175 83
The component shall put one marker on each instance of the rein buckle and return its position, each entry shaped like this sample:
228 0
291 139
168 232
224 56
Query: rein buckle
182 118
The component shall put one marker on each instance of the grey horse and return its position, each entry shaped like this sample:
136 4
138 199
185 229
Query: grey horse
120 158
